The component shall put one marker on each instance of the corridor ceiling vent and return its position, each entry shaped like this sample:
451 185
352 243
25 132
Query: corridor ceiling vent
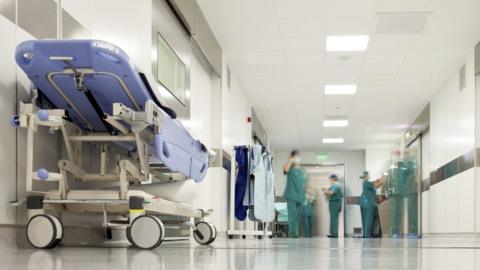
347 43
333 140
400 23
340 89
335 123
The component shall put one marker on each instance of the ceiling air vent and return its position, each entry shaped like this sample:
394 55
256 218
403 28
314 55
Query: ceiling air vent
462 78
400 23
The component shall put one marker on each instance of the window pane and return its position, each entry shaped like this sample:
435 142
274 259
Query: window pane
171 71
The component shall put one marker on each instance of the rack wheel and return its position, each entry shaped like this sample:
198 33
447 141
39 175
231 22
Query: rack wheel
146 232
204 233
230 237
260 237
44 231
244 236
270 236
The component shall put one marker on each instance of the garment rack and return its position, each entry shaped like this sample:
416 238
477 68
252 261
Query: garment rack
243 231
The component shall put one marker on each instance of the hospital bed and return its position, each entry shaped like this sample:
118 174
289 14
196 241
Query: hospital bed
90 92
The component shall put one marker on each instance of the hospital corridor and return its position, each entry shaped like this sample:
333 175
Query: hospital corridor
240 134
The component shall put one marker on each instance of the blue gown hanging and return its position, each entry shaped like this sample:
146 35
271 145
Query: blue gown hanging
241 158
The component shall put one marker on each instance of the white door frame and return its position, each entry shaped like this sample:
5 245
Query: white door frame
342 181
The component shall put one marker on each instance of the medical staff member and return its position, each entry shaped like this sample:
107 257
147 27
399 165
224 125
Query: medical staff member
368 202
334 196
294 192
308 212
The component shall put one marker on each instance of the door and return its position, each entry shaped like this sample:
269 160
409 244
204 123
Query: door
201 123
318 179
413 203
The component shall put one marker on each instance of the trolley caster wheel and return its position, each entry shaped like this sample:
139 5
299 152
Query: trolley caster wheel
230 237
146 232
204 233
270 236
244 236
44 231
260 237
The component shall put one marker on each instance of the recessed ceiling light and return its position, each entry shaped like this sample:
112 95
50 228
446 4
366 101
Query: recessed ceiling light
335 123
347 43
340 89
333 140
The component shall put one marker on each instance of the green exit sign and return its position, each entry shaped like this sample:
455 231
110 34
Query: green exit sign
322 156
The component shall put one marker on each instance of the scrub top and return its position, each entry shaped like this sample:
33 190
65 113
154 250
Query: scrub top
369 194
337 192
295 189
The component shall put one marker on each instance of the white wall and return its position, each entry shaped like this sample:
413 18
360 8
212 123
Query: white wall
452 133
354 164
235 109
127 25
7 109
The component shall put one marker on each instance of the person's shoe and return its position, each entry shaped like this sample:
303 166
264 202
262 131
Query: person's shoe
332 236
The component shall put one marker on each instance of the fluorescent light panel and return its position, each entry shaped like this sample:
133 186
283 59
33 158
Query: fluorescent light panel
340 89
335 123
333 140
347 43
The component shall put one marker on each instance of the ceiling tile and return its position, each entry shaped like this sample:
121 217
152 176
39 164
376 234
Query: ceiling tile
305 58
304 44
390 57
397 43
302 27
375 79
350 25
265 58
300 9
371 67
270 70
249 9
254 28
306 70
254 44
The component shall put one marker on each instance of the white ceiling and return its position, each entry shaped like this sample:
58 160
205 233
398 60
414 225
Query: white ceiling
276 48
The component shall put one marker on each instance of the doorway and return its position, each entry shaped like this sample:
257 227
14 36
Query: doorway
317 179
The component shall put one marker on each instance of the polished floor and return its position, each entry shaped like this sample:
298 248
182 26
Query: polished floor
461 252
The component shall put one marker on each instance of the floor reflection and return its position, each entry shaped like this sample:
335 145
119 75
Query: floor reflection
279 254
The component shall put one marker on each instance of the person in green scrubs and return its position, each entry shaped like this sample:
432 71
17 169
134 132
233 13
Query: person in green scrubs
308 213
368 202
404 188
334 196
294 192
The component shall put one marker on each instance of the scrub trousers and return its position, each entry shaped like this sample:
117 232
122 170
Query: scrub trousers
294 213
335 207
367 219
308 226
398 212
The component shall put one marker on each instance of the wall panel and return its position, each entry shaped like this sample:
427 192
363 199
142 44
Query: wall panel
426 212
8 134
466 197
450 203
452 134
